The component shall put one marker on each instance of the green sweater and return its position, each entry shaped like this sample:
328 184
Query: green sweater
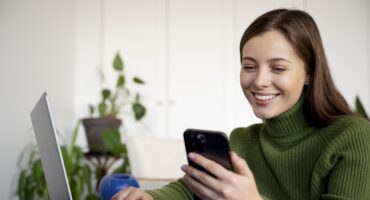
292 160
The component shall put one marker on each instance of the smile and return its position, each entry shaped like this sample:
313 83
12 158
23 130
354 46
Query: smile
264 97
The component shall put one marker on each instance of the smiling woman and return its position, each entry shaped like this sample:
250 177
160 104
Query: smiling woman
272 75
309 146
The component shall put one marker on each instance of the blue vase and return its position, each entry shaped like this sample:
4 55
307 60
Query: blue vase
113 183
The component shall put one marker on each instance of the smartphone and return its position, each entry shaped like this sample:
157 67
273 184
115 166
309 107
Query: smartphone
213 145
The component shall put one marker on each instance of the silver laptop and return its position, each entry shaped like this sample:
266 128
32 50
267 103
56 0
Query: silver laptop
49 149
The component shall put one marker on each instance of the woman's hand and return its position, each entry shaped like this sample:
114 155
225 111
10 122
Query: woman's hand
132 193
228 185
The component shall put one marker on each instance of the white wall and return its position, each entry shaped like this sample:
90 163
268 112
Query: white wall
36 55
187 51
343 25
368 49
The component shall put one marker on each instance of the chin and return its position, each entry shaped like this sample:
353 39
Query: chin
266 113
263 115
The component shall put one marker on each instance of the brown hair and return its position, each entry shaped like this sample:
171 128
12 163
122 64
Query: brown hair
323 104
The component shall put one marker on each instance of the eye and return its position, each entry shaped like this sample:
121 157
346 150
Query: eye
278 69
249 68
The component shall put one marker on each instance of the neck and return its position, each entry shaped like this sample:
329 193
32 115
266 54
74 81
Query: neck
289 124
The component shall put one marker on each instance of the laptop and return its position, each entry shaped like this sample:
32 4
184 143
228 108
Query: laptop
49 149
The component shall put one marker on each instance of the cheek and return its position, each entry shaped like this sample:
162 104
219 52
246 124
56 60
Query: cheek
292 85
245 80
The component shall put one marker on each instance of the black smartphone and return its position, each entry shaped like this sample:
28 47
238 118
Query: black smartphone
213 145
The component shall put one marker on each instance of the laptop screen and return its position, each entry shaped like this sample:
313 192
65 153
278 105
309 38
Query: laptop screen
49 149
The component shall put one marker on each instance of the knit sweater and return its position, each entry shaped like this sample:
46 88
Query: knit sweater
292 160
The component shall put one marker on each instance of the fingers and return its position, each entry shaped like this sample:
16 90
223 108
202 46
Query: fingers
199 189
240 166
132 193
211 166
224 184
121 194
201 177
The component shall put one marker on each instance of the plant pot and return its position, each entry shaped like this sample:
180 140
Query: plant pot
94 129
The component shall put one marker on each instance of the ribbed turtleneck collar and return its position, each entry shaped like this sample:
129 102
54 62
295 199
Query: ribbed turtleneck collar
291 123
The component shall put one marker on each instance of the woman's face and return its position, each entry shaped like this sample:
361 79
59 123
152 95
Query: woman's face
272 76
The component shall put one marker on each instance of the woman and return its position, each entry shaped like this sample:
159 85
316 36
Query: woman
309 146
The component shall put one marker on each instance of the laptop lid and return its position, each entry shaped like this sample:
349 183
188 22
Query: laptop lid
49 149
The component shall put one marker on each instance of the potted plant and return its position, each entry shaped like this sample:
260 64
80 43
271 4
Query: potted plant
81 172
81 176
115 151
104 115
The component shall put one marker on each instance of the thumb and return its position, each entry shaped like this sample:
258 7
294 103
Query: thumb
240 165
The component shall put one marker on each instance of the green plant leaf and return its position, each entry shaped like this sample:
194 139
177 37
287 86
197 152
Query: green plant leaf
32 157
87 177
102 108
73 186
74 136
92 197
37 169
30 187
121 81
67 160
360 110
139 110
112 140
40 186
137 80
137 97
78 188
125 167
118 63
22 180
91 110
105 94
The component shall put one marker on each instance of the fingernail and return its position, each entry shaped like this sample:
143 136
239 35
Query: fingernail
191 156
183 168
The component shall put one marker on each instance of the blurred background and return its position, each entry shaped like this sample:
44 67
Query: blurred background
185 50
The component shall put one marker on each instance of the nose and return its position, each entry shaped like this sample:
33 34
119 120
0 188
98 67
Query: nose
262 79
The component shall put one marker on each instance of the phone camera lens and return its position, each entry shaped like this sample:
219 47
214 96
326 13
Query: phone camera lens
201 141
201 138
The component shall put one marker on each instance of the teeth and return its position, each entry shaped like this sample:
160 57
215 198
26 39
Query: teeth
264 97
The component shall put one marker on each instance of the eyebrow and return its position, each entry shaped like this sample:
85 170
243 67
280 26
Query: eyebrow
278 59
269 60
249 58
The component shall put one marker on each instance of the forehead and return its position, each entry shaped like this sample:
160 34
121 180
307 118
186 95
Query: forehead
269 45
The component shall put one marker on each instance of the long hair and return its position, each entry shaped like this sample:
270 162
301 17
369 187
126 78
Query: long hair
323 103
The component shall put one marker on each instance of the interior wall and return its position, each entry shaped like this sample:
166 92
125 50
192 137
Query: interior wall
36 55
167 43
345 42
368 50
58 47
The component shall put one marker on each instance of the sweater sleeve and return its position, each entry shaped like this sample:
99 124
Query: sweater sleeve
350 175
175 190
